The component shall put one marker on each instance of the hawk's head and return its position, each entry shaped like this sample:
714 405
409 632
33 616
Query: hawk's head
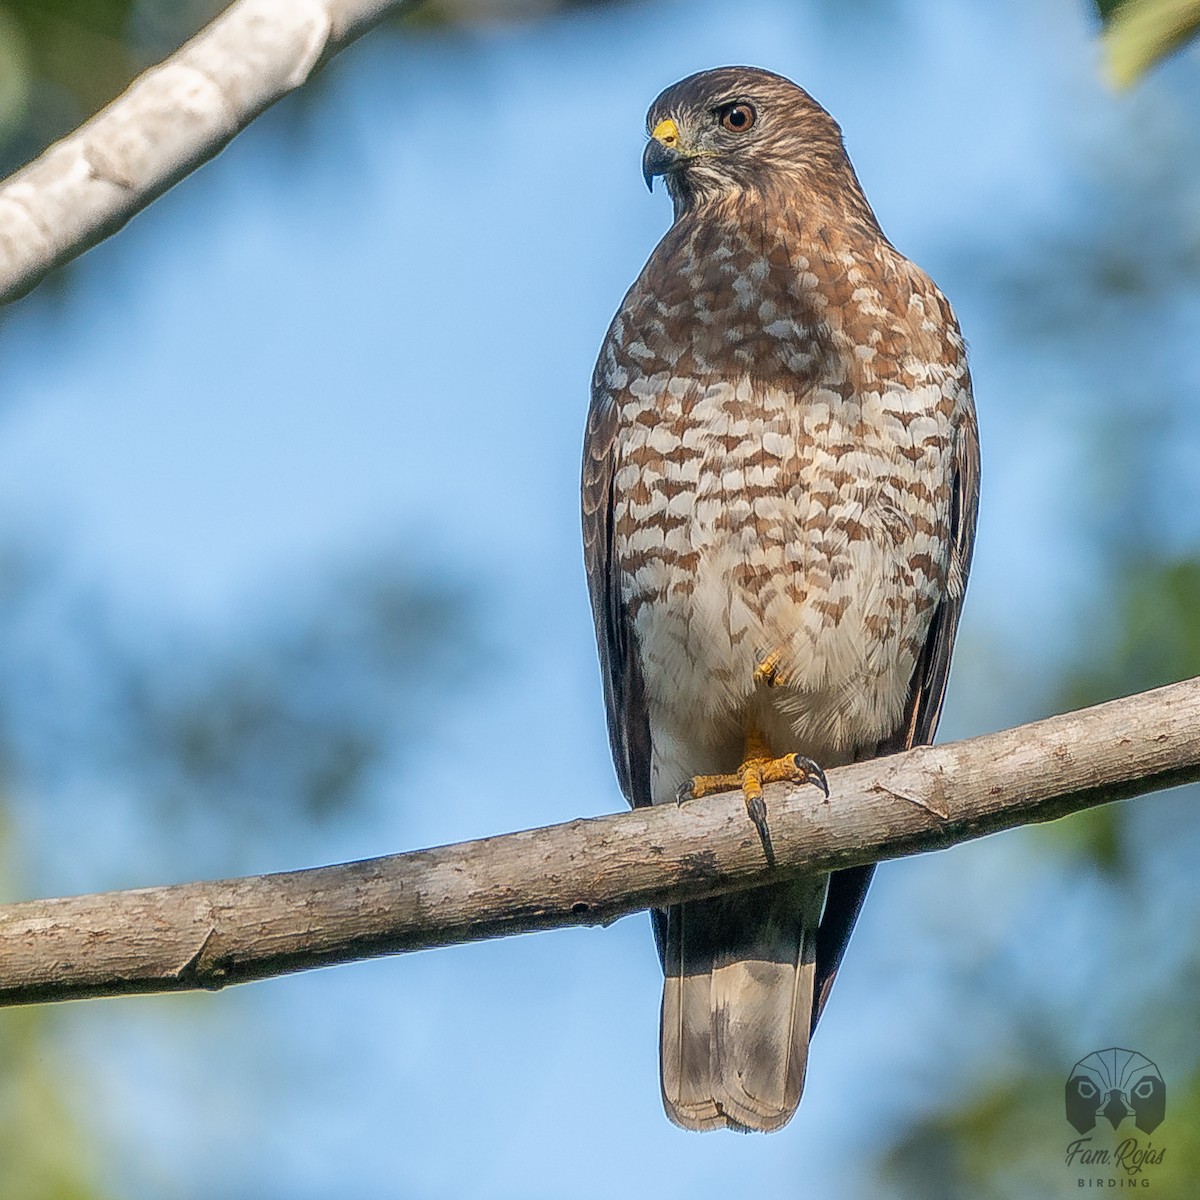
739 129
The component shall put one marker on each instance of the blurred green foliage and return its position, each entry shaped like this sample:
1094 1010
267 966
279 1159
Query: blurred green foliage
282 721
233 740
63 60
1152 635
1140 33
1011 1140
1098 302
1003 1134
294 718
45 1152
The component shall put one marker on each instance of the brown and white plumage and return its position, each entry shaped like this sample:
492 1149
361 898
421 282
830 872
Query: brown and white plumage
781 464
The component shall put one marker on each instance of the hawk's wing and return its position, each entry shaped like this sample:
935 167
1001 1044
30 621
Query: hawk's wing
624 699
848 888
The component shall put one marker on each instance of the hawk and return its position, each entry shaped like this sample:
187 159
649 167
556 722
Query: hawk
780 483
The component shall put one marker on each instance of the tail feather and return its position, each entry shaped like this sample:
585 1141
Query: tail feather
686 1019
737 1006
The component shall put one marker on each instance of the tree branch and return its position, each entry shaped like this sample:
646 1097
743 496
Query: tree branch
171 119
208 935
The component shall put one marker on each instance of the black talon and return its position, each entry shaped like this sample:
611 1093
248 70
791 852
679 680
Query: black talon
813 772
757 811
684 792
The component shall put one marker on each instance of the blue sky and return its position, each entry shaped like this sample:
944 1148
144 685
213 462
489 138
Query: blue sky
374 324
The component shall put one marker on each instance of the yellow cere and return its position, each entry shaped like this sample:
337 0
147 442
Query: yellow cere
666 132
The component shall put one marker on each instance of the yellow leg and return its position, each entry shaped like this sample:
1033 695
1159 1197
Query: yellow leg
758 767
768 672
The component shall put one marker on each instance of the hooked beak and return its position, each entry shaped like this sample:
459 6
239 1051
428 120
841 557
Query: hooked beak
662 153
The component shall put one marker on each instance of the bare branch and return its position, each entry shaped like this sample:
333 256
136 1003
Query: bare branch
171 119
208 935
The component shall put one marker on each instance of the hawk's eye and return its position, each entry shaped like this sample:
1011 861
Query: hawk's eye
737 118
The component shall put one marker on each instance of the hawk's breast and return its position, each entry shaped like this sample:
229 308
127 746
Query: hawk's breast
795 515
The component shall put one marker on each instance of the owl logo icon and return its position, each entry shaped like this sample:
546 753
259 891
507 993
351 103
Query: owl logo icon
1115 1084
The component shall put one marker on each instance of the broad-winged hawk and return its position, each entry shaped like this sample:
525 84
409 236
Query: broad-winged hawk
780 482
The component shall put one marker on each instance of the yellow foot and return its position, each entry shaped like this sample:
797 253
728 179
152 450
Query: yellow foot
758 767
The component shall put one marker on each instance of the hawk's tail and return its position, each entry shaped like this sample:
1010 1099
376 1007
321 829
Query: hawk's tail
737 1006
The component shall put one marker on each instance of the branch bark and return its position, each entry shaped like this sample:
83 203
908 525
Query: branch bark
209 935
171 119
